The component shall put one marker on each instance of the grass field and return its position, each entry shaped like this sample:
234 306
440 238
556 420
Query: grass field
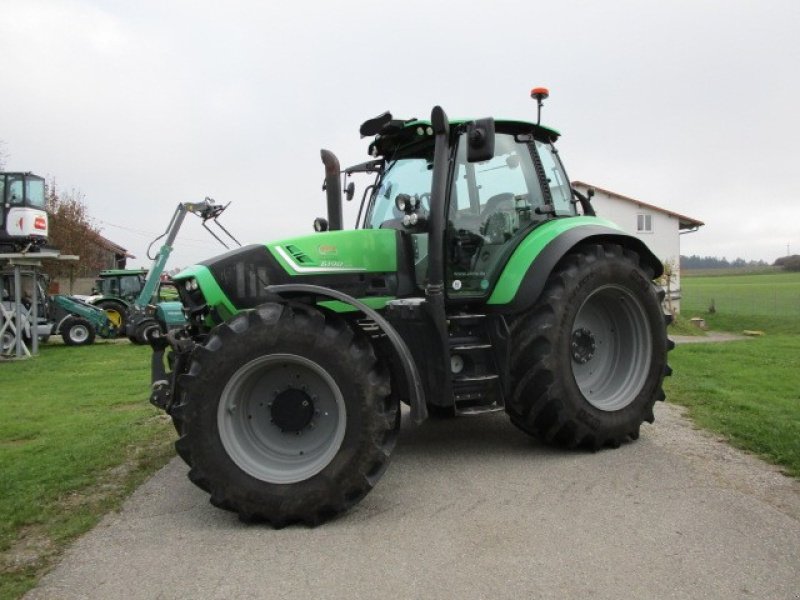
773 294
76 436
748 391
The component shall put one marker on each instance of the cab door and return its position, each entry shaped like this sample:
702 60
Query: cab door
492 204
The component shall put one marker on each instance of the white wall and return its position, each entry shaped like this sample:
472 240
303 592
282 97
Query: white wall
663 240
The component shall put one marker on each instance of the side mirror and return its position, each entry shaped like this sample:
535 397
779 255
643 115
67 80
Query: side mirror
480 140
320 224
349 191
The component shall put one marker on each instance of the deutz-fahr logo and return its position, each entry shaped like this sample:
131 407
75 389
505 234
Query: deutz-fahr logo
327 249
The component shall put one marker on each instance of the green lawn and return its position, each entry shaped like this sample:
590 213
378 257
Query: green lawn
77 434
748 391
768 294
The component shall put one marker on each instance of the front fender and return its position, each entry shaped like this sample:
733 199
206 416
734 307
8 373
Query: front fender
526 272
419 410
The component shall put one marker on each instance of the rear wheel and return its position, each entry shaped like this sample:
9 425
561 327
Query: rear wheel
591 354
77 331
286 416
115 311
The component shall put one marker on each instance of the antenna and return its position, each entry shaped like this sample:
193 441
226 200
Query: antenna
539 94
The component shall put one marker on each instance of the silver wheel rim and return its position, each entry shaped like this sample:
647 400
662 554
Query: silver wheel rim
7 342
79 333
247 426
611 348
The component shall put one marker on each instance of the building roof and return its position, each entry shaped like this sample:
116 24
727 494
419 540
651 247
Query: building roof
684 222
112 247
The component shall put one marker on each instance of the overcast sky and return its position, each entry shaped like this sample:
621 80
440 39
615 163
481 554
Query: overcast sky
693 106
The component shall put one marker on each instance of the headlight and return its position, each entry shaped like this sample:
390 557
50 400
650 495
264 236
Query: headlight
188 285
194 284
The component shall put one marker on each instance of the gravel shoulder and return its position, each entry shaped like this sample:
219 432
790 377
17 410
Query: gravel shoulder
471 508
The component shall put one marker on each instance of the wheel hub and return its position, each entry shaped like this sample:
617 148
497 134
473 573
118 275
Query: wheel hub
583 346
292 410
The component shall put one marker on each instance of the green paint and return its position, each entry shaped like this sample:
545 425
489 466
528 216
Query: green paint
376 302
213 294
529 249
330 252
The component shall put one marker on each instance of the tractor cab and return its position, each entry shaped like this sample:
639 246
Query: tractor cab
23 218
125 284
493 199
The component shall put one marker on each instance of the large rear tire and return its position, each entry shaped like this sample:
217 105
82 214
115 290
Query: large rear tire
116 313
287 416
591 355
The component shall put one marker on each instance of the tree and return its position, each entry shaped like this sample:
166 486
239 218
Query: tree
666 280
789 263
3 155
71 231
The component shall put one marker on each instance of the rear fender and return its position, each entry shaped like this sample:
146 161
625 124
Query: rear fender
532 283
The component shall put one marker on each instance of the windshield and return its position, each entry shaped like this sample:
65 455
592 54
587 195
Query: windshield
410 176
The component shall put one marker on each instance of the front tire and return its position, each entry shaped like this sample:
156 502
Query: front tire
591 354
77 331
287 416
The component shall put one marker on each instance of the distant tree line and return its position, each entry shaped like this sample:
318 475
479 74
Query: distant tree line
712 262
789 263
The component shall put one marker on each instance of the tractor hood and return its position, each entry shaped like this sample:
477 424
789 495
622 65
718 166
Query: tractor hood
361 263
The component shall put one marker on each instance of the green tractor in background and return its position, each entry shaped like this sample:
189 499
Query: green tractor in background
117 290
471 284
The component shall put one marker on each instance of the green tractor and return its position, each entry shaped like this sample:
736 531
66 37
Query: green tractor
115 290
471 284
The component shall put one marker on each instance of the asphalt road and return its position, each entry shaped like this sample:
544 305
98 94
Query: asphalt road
471 508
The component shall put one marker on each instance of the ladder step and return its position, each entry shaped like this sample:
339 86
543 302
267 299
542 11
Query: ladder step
478 410
469 347
464 317
467 379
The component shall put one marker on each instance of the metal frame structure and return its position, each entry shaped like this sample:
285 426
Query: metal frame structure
15 317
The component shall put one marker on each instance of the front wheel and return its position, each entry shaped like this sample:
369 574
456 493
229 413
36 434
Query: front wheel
591 354
287 416
77 331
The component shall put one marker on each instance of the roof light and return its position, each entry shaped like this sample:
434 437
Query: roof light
539 94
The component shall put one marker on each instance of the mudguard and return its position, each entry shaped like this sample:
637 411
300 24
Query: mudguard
527 271
419 410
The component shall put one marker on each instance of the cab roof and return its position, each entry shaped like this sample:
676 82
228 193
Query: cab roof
396 133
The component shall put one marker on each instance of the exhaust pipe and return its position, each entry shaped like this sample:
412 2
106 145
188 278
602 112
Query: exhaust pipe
333 189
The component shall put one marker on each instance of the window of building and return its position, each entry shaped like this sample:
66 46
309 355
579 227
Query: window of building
644 223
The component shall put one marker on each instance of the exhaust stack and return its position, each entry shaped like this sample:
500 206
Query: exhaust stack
333 189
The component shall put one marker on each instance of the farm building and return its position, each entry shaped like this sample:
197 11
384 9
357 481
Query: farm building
659 228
